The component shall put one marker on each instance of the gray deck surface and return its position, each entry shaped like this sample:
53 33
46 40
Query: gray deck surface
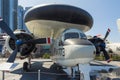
47 71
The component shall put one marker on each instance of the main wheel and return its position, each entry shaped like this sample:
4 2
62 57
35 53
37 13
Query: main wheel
25 66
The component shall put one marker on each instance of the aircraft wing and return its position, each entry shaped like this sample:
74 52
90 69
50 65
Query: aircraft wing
103 65
52 19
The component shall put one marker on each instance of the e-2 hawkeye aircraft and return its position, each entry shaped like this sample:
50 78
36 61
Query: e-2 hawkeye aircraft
62 27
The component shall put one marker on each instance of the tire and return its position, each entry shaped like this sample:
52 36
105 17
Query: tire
25 66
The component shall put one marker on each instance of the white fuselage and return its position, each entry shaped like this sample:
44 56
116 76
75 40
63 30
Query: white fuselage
74 54
72 51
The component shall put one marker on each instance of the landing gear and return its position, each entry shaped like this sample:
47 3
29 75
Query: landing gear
84 71
79 72
27 65
75 74
56 67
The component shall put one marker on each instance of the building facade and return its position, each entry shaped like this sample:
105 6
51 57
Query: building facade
8 12
20 17
21 12
0 8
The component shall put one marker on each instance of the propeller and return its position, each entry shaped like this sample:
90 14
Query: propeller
100 45
13 56
5 27
19 42
95 40
107 33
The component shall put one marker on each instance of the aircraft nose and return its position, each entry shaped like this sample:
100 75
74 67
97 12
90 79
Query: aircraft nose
78 48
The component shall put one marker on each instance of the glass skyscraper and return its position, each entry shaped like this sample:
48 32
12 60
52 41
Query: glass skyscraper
0 8
8 11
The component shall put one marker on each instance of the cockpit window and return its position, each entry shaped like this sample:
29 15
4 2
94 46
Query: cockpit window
83 36
71 35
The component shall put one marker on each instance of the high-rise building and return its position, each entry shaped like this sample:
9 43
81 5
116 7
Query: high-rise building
21 12
0 8
8 11
20 17
21 24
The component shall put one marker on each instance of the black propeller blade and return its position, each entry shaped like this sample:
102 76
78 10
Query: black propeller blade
106 35
12 56
5 27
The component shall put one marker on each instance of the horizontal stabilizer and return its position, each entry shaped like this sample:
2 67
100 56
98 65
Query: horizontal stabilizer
7 66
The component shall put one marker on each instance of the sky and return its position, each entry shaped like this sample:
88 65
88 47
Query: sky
104 12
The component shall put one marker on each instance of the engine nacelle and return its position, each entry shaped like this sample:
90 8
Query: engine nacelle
24 49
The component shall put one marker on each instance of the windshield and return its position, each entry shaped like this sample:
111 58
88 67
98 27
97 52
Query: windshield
71 35
83 36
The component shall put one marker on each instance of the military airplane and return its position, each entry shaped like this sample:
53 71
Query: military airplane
60 26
